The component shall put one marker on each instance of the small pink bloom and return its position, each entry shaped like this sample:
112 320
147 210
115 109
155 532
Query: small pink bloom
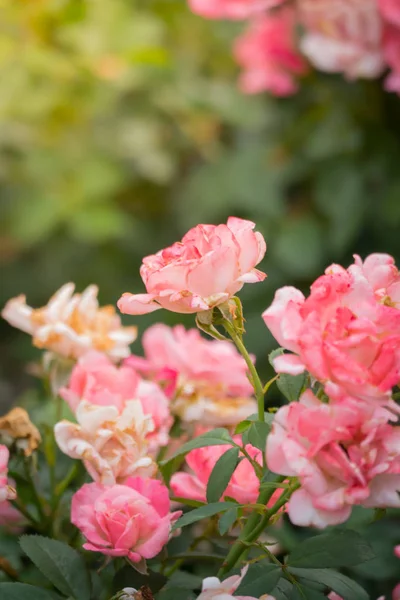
397 551
98 381
214 589
268 55
343 454
206 379
113 445
346 334
205 269
343 36
131 520
71 324
230 9
6 491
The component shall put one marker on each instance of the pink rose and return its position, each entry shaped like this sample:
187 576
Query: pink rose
206 268
343 454
391 50
206 379
343 36
382 275
268 54
214 589
6 491
344 334
230 9
131 520
390 11
113 445
98 381
243 486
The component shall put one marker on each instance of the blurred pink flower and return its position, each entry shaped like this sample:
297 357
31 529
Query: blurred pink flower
343 454
391 50
6 491
113 445
71 324
131 520
230 9
343 36
98 381
205 269
390 11
214 589
343 333
268 54
206 379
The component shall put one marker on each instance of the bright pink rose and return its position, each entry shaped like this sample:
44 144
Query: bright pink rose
343 454
390 11
268 54
343 36
343 334
206 379
214 589
230 9
209 265
243 486
131 520
98 381
6 491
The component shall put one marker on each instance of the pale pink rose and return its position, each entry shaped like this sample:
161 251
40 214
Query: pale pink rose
382 274
343 454
6 491
209 265
268 54
230 9
214 589
206 379
71 324
112 445
98 381
132 520
244 484
343 36
342 334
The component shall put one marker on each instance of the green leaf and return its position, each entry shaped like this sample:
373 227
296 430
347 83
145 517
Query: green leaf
340 548
242 426
62 565
209 510
227 520
175 593
342 585
258 433
183 579
23 591
215 437
261 578
221 474
129 577
289 385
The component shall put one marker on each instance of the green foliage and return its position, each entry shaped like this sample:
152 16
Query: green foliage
341 584
209 510
221 474
61 565
261 578
215 437
23 591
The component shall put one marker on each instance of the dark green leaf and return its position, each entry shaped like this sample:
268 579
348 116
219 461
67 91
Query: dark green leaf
61 564
342 585
283 590
221 474
258 433
227 520
23 591
183 579
209 510
340 548
129 577
261 578
175 593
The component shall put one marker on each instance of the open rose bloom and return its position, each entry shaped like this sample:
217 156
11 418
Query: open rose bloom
71 324
206 379
209 265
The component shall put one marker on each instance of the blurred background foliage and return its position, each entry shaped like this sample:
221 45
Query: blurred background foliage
121 126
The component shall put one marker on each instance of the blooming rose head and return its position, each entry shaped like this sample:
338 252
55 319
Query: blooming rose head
343 333
6 491
268 55
209 265
71 324
113 445
230 9
98 381
383 276
343 454
132 520
343 36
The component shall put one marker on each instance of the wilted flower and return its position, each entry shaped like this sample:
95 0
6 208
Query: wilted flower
209 265
17 428
71 324
132 520
112 445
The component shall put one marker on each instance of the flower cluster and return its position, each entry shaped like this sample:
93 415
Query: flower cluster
358 38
